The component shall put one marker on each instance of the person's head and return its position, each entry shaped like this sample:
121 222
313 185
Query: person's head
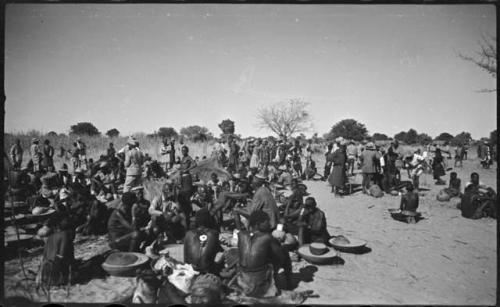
139 192
410 187
243 186
259 220
206 289
35 141
310 203
46 142
128 199
453 175
395 143
185 151
225 186
50 168
75 144
172 141
168 190
257 182
111 145
330 146
18 142
214 177
203 218
165 141
474 178
438 152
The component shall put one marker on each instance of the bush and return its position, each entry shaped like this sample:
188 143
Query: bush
349 129
84 128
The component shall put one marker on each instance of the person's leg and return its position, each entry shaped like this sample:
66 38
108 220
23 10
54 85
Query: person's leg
129 180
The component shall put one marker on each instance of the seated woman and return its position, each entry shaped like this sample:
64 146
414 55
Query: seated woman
478 200
455 184
312 224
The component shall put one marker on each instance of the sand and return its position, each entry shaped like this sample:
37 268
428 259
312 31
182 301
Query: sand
443 259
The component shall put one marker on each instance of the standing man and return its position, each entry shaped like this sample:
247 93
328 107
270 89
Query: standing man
369 161
352 155
234 150
82 151
16 154
134 159
171 152
186 190
328 162
35 154
111 151
165 154
48 155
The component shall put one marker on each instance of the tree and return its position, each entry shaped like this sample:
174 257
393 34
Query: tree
52 134
348 129
401 136
486 59
493 137
113 133
84 128
167 132
411 136
196 133
461 139
445 136
424 139
285 119
380 137
227 126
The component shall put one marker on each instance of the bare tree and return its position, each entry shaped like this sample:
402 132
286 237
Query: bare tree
285 118
486 59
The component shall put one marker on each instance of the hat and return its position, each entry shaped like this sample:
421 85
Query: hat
78 170
132 141
260 176
33 140
199 183
282 167
317 253
236 176
341 243
103 164
64 168
63 194
339 139
124 263
370 145
78 139
137 188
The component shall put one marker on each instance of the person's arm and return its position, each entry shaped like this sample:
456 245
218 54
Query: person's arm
152 208
128 162
319 223
282 259
402 205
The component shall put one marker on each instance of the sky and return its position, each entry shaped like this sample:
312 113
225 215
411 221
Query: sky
139 67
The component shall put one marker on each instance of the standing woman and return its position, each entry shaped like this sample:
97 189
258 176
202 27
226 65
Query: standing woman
337 177
438 167
48 155
254 160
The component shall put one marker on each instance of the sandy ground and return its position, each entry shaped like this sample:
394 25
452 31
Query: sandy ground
443 259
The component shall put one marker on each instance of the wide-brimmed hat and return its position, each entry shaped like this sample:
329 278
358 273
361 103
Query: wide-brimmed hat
344 244
137 188
33 140
236 176
63 194
103 164
317 253
63 168
124 263
260 176
282 168
370 145
132 141
78 170
199 183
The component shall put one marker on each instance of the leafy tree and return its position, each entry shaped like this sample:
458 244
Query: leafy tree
84 128
401 136
52 134
380 137
411 136
196 133
285 119
494 137
167 132
424 139
461 139
349 129
445 136
227 126
113 133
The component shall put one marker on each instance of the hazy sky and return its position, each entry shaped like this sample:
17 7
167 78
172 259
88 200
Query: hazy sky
141 67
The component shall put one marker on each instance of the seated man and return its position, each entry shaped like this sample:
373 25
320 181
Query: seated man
312 223
311 169
166 215
478 200
202 244
122 234
260 256
409 200
140 209
294 204
262 200
455 184
284 176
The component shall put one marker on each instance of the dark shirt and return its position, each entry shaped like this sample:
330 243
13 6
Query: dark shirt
186 163
116 225
409 201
